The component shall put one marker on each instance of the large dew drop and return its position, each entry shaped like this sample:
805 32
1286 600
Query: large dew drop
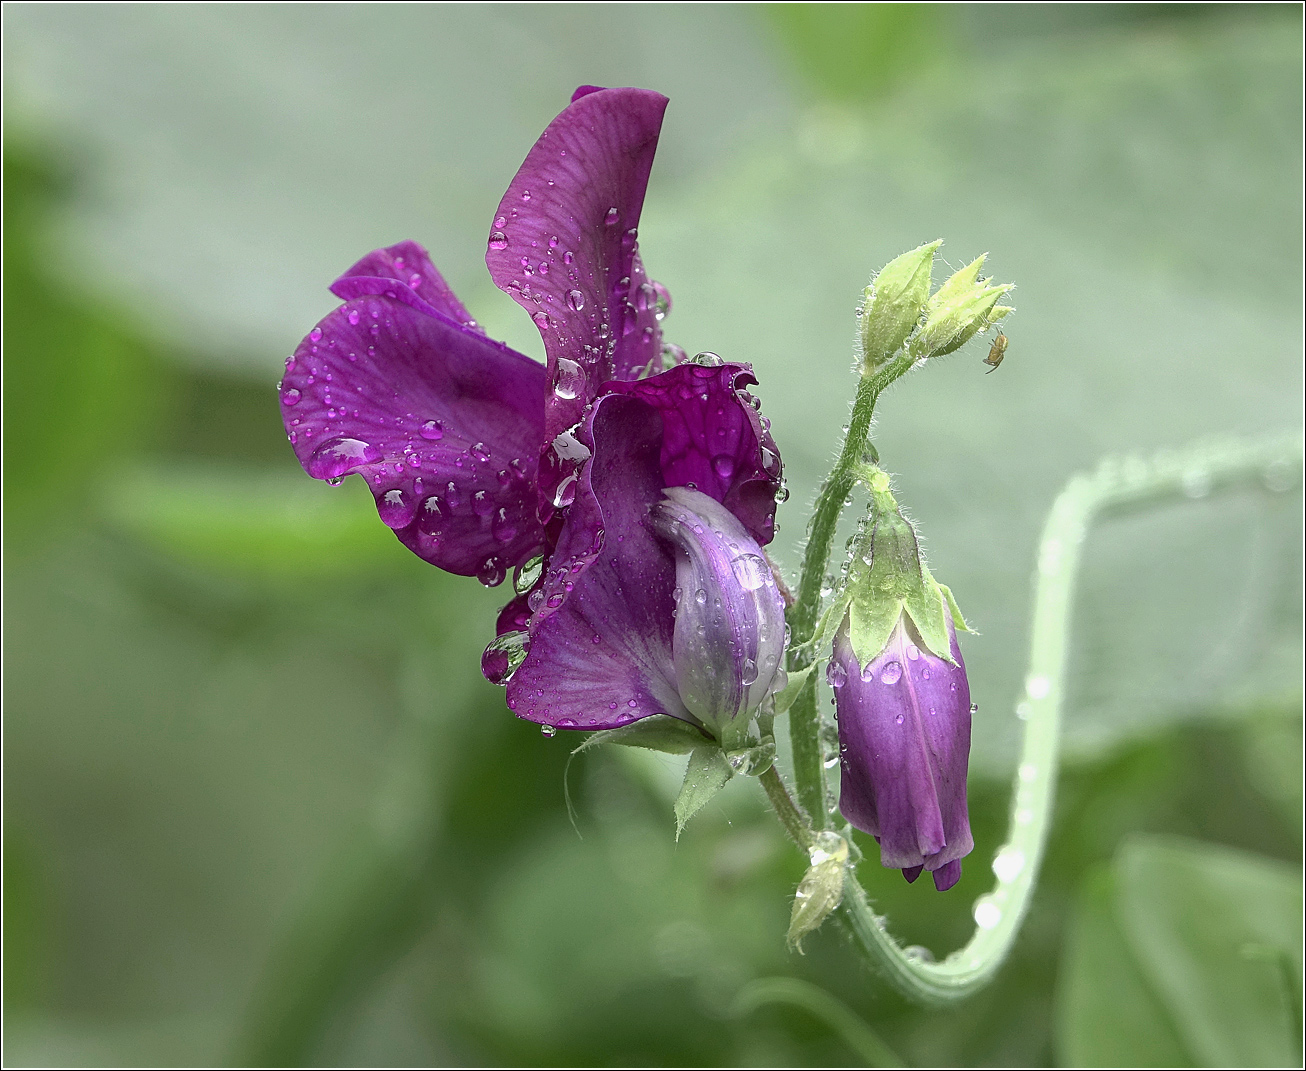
339 457
891 674
751 571
569 380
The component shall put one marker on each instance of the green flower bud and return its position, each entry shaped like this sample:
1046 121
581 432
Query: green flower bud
821 889
893 304
962 306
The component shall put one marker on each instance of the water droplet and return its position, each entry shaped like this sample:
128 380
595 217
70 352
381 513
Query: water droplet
974 709
315 335
491 572
480 451
504 528
770 462
291 396
429 516
913 652
987 914
503 656
868 672
432 430
724 466
1008 863
569 379
452 495
575 300
891 674
339 457
708 359
565 495
835 674
482 504
526 195
1038 686
548 730
898 720
700 597
662 301
782 495
541 318
353 317
611 218
751 571
749 674
498 240
393 507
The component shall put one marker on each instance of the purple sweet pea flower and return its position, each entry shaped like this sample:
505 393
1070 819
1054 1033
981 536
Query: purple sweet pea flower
904 741
482 461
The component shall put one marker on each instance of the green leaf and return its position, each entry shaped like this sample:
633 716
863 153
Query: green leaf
1184 953
1107 1015
705 776
1218 933
658 733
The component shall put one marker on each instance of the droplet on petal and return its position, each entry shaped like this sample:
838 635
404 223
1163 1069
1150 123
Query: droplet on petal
432 430
569 380
339 457
891 674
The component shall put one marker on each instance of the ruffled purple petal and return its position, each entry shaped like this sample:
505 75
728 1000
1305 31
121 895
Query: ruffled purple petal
715 440
601 639
563 245
904 741
404 272
443 423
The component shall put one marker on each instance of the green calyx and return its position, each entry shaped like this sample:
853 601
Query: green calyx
893 304
887 578
898 312
964 305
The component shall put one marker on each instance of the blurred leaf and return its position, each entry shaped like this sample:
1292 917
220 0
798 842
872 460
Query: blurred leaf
82 385
1185 953
861 51
243 521
1272 744
1199 916
26 922
1107 1014
850 1028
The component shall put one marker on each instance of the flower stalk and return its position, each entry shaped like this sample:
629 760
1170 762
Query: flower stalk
1119 486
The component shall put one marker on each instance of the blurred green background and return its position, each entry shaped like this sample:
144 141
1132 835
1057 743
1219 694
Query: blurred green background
259 804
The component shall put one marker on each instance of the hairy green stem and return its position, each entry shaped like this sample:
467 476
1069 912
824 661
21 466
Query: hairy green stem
804 718
1118 486
794 821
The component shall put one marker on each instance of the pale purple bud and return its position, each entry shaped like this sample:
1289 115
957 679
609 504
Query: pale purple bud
729 636
904 742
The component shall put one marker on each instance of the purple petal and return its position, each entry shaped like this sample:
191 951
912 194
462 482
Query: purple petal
904 736
729 631
443 423
563 246
600 644
715 440
585 91
403 272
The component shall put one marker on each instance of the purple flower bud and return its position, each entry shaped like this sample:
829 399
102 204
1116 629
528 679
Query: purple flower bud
904 741
729 636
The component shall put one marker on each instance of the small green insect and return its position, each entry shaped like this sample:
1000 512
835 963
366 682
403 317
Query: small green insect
996 352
